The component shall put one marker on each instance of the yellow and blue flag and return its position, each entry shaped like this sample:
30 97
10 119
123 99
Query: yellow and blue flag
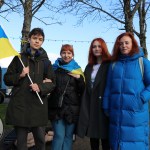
6 49
71 67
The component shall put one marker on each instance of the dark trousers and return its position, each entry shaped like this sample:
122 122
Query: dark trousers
38 134
94 142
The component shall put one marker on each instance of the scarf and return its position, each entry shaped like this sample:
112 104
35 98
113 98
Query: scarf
71 67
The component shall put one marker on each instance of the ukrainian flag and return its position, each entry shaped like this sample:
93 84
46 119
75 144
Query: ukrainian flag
6 49
71 67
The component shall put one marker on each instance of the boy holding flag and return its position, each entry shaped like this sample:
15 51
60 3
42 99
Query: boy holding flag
25 112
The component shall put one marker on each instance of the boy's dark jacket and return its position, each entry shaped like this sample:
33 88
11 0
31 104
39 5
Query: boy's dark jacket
24 108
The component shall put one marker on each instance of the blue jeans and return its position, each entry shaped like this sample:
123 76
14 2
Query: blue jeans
63 135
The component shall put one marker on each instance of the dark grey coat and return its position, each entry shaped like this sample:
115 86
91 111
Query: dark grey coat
24 108
92 120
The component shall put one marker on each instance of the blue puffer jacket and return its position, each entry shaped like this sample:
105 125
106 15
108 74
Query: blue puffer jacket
126 101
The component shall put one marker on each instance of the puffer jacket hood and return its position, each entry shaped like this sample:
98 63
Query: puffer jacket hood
130 58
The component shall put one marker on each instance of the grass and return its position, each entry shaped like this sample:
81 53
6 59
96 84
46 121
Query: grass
3 108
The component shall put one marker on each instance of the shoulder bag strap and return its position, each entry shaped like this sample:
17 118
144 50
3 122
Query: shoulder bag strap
61 98
66 87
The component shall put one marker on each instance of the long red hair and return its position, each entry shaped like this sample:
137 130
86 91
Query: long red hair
116 48
105 53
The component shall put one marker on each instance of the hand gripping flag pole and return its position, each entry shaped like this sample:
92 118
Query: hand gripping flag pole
6 50
31 82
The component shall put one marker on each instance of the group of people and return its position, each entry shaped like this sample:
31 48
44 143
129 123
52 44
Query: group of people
108 102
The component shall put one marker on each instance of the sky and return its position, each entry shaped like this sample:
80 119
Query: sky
67 33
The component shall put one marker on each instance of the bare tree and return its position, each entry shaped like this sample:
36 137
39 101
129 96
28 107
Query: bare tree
28 8
120 11
142 11
1 3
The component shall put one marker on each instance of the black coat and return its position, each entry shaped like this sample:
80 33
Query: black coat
25 108
72 98
92 120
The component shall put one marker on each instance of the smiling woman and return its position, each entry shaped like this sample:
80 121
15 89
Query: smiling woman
93 123
64 101
127 96
67 53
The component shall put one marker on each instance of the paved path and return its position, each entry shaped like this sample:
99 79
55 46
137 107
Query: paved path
81 144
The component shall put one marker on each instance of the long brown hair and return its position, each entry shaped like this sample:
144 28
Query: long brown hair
105 53
116 48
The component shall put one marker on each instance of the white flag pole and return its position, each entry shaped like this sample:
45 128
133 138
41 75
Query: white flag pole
31 82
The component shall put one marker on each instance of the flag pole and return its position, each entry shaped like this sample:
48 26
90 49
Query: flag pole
11 52
31 82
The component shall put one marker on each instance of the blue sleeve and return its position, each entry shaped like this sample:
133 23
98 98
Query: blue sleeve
145 94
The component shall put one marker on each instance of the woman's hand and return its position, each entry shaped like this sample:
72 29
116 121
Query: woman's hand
47 80
77 76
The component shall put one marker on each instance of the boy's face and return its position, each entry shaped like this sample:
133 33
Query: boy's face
36 41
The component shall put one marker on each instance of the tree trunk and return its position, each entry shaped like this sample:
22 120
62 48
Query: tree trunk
143 27
1 3
27 22
128 16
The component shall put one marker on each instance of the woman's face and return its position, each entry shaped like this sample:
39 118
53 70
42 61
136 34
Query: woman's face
125 45
97 50
66 56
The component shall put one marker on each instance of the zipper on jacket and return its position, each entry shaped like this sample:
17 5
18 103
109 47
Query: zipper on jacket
34 69
121 101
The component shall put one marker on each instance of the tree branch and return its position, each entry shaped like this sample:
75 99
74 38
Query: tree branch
137 5
105 12
47 23
36 8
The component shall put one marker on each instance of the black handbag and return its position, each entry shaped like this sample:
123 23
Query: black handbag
61 98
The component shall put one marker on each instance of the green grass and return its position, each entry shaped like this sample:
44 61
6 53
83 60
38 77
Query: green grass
3 108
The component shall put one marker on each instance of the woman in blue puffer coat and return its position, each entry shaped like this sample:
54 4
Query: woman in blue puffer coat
127 95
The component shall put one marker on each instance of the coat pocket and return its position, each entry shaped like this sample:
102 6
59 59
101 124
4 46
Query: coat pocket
132 102
140 103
